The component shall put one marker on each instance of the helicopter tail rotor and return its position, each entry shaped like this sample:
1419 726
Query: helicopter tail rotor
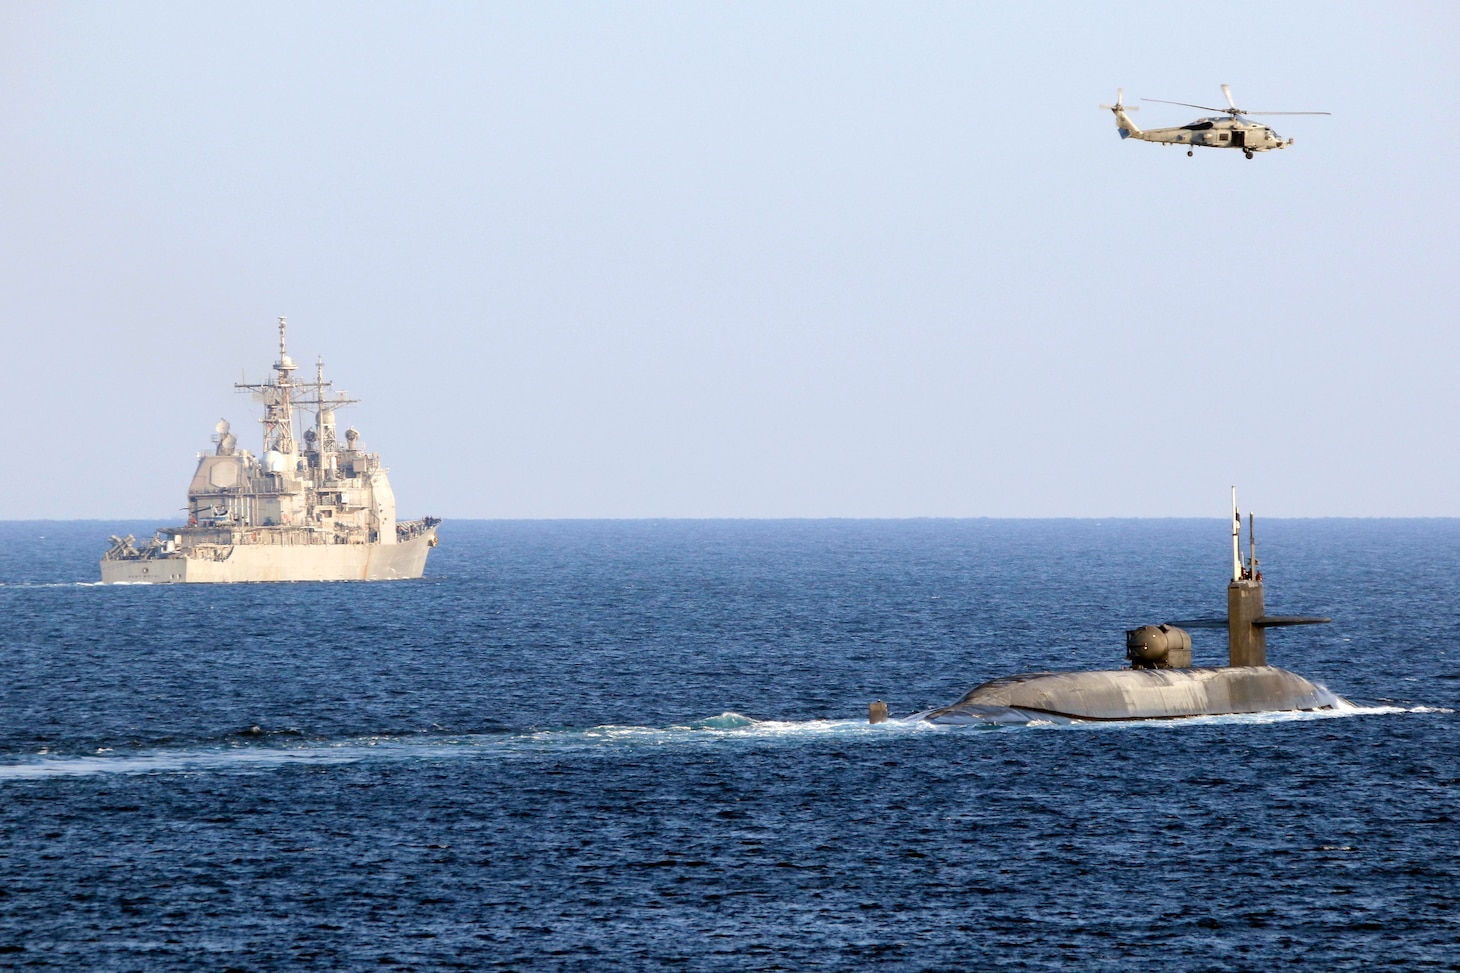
1119 103
1123 124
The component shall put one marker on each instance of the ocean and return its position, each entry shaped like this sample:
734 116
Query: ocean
642 745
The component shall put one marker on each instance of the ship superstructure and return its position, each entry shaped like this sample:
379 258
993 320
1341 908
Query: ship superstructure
310 507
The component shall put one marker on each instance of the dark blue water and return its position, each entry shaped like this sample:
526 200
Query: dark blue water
642 746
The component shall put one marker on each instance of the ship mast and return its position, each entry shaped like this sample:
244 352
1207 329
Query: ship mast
281 395
284 424
324 432
278 399
324 418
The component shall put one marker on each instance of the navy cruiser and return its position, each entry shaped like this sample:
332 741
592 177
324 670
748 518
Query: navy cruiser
313 506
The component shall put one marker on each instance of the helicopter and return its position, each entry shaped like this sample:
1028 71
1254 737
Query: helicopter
1232 132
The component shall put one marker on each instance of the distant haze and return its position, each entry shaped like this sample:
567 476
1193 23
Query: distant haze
738 259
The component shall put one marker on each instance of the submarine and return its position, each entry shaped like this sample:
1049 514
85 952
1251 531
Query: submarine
1160 682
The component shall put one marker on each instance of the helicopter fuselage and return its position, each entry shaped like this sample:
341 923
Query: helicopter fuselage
1230 131
1218 133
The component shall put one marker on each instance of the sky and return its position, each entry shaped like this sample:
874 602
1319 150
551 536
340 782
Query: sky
738 259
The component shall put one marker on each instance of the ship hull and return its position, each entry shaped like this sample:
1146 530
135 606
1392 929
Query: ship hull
1135 694
272 562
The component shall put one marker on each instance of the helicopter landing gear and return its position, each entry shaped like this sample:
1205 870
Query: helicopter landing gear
1247 152
1190 151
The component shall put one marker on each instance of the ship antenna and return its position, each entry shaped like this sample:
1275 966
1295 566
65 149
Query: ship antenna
1251 544
321 462
283 326
1236 539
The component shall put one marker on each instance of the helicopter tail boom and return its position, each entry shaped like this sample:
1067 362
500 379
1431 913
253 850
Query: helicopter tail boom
1123 124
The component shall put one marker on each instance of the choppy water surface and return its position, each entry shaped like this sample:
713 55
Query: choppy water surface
642 745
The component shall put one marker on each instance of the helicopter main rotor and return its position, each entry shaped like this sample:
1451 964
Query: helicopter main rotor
1232 108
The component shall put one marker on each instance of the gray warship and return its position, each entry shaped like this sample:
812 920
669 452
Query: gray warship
310 509
1161 683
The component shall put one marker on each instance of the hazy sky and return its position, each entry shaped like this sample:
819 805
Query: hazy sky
738 259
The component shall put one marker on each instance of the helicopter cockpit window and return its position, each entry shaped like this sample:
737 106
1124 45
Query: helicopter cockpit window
1200 126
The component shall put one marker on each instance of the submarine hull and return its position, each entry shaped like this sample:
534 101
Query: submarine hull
1135 694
